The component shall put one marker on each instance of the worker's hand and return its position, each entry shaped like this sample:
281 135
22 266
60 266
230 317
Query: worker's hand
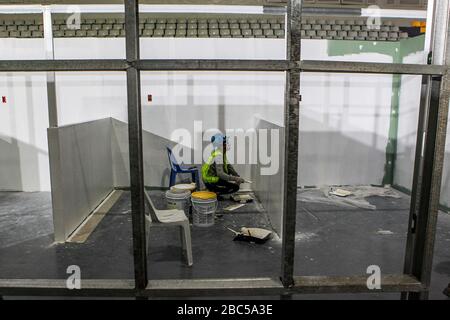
239 180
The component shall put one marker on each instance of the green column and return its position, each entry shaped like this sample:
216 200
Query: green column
397 50
405 48
391 147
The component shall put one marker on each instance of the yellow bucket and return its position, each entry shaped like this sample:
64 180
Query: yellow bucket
204 195
205 206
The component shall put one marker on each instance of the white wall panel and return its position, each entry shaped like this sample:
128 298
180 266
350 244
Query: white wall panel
85 172
23 121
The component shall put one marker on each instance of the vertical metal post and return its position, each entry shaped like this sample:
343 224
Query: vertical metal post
418 174
430 152
426 198
50 55
135 142
54 152
291 123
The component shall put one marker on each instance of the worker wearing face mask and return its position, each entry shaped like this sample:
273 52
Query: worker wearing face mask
218 175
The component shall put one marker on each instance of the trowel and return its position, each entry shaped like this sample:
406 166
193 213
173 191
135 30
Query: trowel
256 235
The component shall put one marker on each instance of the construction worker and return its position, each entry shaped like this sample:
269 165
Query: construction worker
218 175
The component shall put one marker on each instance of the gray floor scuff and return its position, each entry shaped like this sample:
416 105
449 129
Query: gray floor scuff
357 198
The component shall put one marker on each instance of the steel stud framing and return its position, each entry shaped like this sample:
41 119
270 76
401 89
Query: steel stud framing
414 283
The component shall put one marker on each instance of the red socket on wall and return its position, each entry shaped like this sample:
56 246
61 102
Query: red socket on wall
149 98
3 99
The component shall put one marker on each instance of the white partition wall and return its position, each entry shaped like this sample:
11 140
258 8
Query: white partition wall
23 121
269 187
82 172
344 120
407 126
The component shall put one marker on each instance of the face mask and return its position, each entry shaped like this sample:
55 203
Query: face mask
226 146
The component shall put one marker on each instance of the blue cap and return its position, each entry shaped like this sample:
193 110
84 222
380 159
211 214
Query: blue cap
218 139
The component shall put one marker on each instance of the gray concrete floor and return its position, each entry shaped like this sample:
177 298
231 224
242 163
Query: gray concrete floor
339 240
331 240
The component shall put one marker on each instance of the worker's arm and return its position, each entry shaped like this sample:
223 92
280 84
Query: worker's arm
221 173
231 171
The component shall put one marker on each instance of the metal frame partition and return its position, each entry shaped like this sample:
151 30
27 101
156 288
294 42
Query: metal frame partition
415 281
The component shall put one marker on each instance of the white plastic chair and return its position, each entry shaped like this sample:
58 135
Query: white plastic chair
172 217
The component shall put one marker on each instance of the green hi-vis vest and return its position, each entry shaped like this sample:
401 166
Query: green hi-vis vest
209 173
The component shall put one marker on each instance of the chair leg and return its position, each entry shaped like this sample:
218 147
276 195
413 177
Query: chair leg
182 238
195 179
147 233
173 178
187 242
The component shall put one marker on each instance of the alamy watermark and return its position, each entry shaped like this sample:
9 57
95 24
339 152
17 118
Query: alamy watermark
74 279
246 146
374 18
374 280
73 22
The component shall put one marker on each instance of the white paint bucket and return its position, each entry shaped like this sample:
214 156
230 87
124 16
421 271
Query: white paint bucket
183 188
204 212
179 200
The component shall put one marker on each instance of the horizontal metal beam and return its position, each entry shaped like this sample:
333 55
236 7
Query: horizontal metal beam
155 288
211 65
219 65
58 287
216 287
144 65
331 11
369 67
207 287
152 2
355 284
62 65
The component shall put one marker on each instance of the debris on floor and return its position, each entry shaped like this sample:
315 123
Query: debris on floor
234 207
256 235
299 237
357 198
384 232
340 192
242 198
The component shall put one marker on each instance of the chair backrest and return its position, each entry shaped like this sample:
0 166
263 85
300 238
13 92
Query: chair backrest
173 162
151 208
